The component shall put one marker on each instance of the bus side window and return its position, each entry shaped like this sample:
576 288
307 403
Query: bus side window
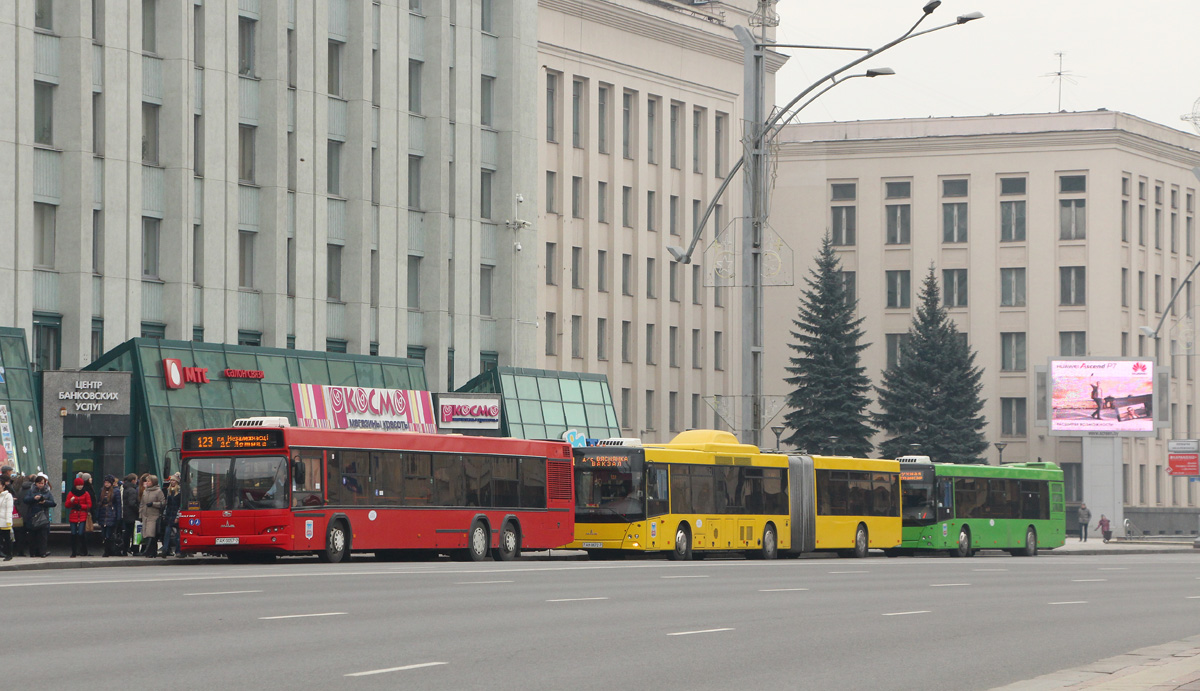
658 489
306 479
945 501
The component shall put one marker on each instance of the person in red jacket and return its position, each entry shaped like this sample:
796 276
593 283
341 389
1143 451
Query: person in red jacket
79 501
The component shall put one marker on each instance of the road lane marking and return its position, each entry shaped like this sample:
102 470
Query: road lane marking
688 633
396 669
1088 580
480 582
900 614
685 576
577 599
1114 568
1193 597
1070 602
301 616
781 590
227 592
947 585
849 572
989 569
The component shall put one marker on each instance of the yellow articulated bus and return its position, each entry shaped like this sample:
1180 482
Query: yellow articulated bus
851 505
701 492
705 492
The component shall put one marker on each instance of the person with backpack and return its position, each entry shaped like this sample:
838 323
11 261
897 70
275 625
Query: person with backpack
38 501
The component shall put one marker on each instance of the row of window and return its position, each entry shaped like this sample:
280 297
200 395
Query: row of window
1001 498
699 418
857 493
420 479
898 284
630 120
601 339
1181 488
1142 225
674 279
1072 221
628 206
722 490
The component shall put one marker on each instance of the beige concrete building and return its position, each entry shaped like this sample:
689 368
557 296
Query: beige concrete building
1052 235
639 121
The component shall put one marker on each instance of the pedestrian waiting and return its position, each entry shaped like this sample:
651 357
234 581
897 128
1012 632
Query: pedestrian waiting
108 515
1085 517
152 504
6 519
79 501
38 501
1105 528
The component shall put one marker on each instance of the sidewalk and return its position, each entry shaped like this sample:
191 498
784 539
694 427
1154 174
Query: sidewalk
1177 544
1172 666
65 562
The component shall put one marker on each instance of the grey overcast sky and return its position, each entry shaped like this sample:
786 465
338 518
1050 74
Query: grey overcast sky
1141 57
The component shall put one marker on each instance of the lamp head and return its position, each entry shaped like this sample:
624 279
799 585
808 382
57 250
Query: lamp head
969 17
1148 331
931 6
880 72
679 254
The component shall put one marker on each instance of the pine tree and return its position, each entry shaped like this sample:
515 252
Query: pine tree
931 397
831 387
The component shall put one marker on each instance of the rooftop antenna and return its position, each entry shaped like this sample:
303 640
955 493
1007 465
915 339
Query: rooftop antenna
1061 76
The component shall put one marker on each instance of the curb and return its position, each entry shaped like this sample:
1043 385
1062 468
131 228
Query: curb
28 564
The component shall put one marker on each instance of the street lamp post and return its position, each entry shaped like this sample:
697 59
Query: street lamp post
758 135
1000 447
833 445
778 430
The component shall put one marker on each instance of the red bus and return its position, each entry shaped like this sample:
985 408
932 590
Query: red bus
264 487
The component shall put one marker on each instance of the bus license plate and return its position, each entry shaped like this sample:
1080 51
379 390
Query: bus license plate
227 541
592 545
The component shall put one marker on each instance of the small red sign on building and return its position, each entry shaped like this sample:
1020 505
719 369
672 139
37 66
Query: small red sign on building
1183 464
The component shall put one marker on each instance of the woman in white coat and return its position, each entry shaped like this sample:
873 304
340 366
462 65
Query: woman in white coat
6 515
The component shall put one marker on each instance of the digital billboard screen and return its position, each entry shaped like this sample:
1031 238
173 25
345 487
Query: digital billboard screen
1104 396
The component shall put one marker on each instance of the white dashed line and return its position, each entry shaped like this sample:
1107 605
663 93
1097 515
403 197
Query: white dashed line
849 572
301 616
1193 597
1070 602
396 669
947 585
227 592
1088 580
781 590
577 599
900 614
688 633
989 569
480 582
685 576
1113 568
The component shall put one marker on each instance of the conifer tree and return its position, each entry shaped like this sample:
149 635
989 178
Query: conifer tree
829 398
931 397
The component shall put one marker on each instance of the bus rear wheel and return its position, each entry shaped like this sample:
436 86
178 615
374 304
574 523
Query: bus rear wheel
337 544
683 544
770 544
963 548
1030 543
477 542
509 545
861 544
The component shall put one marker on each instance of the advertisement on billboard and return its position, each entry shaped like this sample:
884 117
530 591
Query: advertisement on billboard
1102 397
357 407
469 411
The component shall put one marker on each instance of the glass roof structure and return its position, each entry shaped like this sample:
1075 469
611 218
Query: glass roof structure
544 404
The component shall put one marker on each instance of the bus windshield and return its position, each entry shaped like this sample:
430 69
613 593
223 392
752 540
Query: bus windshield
609 495
214 484
919 502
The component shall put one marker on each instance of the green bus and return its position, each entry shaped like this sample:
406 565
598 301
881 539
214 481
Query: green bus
961 509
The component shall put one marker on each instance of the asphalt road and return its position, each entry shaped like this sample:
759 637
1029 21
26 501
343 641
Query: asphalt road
920 623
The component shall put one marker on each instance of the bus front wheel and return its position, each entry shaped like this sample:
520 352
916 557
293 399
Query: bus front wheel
963 548
683 544
337 543
861 544
509 545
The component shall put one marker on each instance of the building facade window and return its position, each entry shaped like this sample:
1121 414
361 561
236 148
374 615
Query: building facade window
414 86
1072 209
150 238
894 344
576 336
898 289
246 136
47 342
551 107
602 201
1012 287
150 113
602 119
849 281
954 213
626 341
487 101
954 287
627 124
246 27
577 87
1073 285
246 241
602 271
1012 417
1072 343
551 264
333 167
843 212
601 338
43 113
1012 210
1012 352
44 230
333 272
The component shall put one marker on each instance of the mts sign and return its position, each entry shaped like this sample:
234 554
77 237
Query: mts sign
176 375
